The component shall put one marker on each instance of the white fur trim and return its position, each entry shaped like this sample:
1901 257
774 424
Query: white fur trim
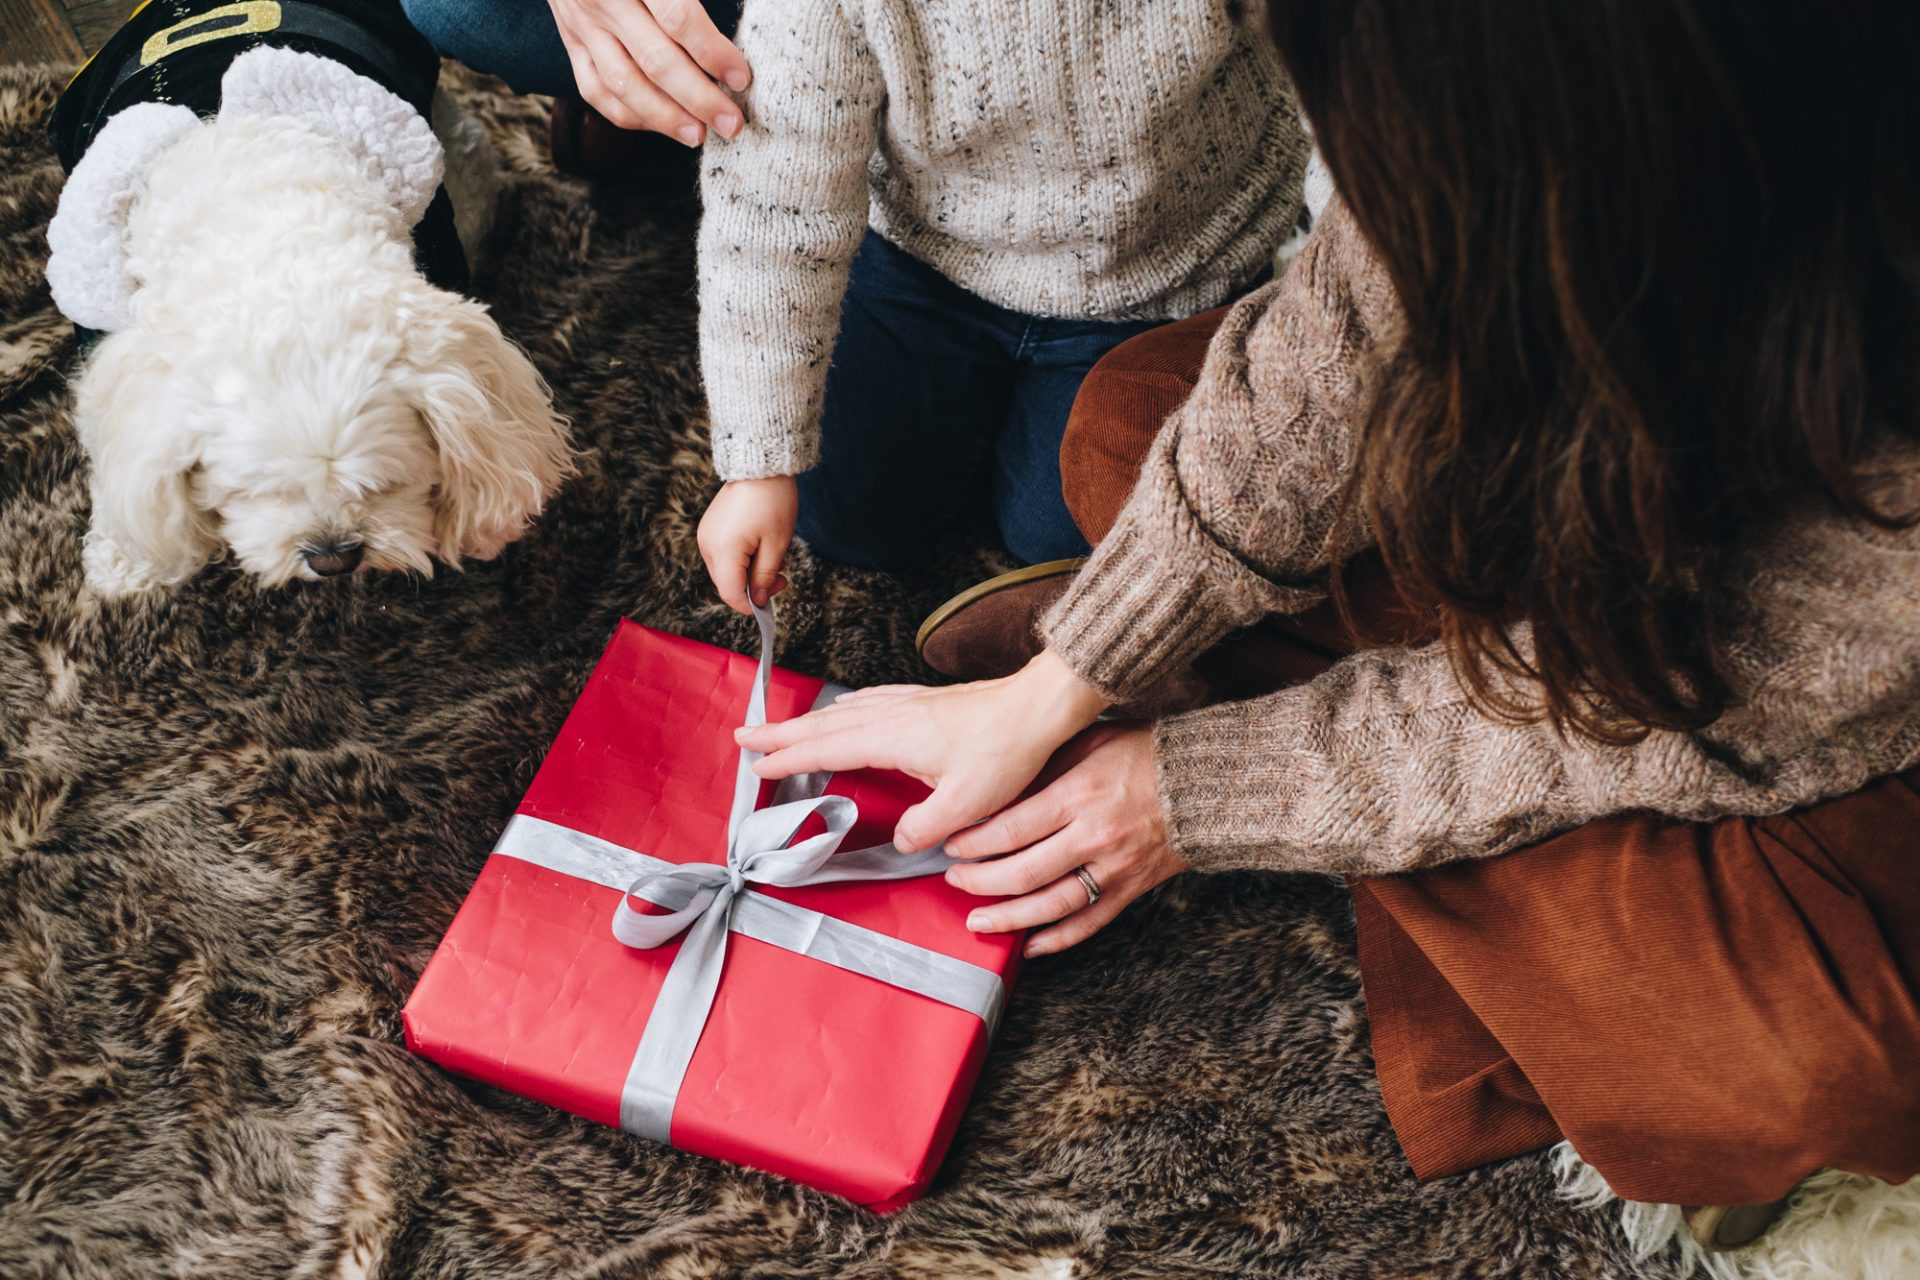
393 140
87 268
1839 1226
1318 187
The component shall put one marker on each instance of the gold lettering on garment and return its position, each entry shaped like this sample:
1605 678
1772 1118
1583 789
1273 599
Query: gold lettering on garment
248 18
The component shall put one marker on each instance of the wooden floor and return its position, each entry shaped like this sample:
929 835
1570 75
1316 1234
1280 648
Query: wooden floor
57 30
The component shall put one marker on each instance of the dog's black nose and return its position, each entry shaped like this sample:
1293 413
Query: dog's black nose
331 559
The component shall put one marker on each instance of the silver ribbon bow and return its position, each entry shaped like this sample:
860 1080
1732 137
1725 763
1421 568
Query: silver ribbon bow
705 902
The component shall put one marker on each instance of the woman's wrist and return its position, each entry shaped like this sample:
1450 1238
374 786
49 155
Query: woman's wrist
1059 698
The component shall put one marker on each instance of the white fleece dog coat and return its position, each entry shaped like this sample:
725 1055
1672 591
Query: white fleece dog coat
180 60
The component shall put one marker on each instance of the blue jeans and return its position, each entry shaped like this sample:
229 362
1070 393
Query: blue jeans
515 39
937 399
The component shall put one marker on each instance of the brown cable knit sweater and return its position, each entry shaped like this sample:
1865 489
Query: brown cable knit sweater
1381 764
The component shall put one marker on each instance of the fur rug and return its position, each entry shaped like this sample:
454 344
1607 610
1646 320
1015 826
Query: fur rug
233 824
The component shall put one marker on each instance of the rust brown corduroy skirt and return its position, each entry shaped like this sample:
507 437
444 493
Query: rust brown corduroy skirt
1708 1012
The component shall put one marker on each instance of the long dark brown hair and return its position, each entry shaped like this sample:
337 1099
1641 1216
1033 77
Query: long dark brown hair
1659 261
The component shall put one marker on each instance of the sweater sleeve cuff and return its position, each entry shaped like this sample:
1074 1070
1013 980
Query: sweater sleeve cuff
1231 789
1134 615
744 456
764 421
1157 593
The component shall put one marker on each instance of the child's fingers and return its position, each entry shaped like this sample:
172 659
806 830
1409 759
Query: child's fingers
765 581
729 573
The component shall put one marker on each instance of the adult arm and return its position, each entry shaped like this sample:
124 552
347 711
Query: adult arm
1382 764
1236 512
785 207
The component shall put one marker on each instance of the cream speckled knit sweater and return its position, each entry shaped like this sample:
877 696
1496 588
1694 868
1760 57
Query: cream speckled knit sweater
1068 158
1381 764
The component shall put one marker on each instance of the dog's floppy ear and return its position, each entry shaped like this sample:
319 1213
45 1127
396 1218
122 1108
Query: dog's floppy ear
503 450
394 141
87 269
147 530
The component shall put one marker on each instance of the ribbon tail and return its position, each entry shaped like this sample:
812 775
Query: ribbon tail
746 783
809 786
673 1029
883 862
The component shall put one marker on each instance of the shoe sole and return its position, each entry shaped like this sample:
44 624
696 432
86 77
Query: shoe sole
992 586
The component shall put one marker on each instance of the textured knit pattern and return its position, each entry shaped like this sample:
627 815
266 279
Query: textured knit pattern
1064 158
1381 764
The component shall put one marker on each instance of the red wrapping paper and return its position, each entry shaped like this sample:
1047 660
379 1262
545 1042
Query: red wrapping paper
830 1078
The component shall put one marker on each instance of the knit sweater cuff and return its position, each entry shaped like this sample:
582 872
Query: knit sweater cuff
1135 614
749 455
1157 593
1228 806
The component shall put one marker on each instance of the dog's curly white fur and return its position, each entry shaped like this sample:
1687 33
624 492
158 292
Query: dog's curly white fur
287 380
1839 1226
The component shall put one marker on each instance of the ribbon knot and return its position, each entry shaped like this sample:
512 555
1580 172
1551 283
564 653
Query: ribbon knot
759 851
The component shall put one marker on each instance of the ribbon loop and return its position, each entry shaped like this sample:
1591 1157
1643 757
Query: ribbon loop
695 888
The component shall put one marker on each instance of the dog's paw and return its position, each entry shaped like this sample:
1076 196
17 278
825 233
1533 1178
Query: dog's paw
112 573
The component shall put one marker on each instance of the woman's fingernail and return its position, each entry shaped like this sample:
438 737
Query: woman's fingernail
737 79
953 875
740 734
689 134
727 123
977 922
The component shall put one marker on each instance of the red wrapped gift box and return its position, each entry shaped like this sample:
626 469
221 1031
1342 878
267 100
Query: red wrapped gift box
803 1068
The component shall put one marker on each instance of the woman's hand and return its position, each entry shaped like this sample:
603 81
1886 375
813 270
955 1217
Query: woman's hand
744 538
652 64
977 745
1098 808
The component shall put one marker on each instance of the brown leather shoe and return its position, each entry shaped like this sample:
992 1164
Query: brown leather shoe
988 630
1718 1228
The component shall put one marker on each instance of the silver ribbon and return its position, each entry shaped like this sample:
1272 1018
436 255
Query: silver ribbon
706 902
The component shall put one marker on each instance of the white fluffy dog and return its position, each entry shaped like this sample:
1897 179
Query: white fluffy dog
277 377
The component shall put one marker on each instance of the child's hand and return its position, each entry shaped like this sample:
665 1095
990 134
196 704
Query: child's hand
744 536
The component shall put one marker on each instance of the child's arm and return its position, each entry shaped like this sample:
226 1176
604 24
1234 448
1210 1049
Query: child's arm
785 207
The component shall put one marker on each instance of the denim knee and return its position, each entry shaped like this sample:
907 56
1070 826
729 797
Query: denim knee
1035 531
513 39
866 539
